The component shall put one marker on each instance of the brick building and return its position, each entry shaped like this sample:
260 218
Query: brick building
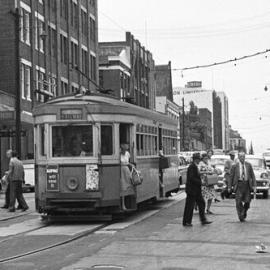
164 81
127 69
47 48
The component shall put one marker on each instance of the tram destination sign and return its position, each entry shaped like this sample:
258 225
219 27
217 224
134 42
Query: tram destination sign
71 114
52 178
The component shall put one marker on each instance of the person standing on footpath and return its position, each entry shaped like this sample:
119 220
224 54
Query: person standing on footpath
194 193
227 169
243 182
15 174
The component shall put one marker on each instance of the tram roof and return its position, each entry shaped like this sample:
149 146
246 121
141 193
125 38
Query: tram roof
99 103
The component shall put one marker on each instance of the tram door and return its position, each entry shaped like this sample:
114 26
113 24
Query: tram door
125 138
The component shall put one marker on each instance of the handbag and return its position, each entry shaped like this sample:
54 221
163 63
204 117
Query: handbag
136 177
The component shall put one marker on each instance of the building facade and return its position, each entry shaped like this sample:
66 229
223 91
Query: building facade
47 48
127 70
225 120
164 105
236 141
164 80
205 117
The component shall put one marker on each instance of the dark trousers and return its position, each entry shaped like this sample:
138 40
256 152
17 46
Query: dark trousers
189 207
16 192
242 199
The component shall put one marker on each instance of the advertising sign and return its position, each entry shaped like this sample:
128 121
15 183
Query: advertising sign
52 178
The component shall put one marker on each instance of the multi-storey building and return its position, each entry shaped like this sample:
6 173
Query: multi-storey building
164 81
236 141
205 117
225 120
203 98
166 106
47 48
127 70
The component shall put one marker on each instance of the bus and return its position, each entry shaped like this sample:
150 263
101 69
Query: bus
77 154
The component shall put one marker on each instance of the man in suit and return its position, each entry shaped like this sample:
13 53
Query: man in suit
194 193
242 182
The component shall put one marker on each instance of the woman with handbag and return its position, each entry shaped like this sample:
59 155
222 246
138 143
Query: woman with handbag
208 191
125 180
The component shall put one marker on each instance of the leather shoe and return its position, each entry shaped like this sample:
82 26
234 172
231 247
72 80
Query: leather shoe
187 225
205 222
11 210
24 209
4 207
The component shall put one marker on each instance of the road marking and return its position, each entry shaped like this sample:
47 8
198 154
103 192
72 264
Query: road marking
69 230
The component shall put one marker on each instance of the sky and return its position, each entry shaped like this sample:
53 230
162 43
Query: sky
192 33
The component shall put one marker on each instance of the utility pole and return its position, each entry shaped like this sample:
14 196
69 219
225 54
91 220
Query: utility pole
16 15
183 124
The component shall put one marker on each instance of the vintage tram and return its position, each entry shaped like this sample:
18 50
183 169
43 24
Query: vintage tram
77 154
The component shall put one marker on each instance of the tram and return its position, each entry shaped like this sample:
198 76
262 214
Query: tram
77 154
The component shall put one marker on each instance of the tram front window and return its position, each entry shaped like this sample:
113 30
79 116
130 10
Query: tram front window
72 141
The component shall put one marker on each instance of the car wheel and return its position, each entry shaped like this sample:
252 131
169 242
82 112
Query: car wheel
265 194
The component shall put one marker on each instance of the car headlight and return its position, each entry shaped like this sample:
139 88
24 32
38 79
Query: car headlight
264 175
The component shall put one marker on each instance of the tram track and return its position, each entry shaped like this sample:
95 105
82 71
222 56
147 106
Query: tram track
48 247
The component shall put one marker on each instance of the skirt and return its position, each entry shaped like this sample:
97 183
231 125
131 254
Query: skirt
125 181
208 192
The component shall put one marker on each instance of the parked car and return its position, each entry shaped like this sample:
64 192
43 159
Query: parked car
261 173
29 170
266 156
218 162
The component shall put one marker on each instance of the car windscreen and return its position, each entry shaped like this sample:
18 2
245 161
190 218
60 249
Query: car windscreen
256 162
218 161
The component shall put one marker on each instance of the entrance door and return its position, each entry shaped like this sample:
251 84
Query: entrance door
125 138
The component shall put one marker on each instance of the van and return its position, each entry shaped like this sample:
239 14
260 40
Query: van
29 175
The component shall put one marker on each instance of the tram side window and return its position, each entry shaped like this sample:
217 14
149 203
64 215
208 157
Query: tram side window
106 140
42 140
72 141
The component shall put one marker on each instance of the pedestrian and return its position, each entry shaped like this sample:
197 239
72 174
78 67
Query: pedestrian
194 193
15 175
242 181
208 190
227 172
126 185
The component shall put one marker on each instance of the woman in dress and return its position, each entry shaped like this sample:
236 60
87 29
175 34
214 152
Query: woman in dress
208 191
125 173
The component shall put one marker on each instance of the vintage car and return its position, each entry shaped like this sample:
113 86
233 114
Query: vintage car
261 173
218 162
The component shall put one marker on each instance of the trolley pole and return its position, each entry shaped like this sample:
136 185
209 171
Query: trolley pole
183 124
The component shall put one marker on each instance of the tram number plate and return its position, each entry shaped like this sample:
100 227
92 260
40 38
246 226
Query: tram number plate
52 178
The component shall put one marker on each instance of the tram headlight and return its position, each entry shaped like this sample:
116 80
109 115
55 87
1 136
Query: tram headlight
92 177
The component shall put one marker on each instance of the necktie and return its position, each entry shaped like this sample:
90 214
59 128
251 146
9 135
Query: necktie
243 172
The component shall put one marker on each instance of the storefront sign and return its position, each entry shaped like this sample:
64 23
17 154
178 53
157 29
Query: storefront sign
52 178
71 114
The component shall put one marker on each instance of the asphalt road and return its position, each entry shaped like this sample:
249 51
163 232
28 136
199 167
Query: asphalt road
152 239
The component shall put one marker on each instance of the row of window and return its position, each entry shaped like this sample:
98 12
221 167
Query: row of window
39 26
146 129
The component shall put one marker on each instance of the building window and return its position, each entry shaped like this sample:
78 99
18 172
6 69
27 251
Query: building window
25 26
74 13
106 140
92 29
40 84
64 9
84 61
52 36
39 30
74 88
74 53
52 5
64 49
92 3
84 22
64 87
52 85
93 67
25 82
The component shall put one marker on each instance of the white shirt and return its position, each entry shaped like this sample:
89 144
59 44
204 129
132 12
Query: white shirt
125 158
241 171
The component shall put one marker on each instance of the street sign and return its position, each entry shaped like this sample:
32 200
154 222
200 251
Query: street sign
11 133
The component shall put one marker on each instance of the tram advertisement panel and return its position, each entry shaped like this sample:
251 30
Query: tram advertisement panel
52 178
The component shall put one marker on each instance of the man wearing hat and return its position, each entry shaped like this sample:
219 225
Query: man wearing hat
194 193
227 169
